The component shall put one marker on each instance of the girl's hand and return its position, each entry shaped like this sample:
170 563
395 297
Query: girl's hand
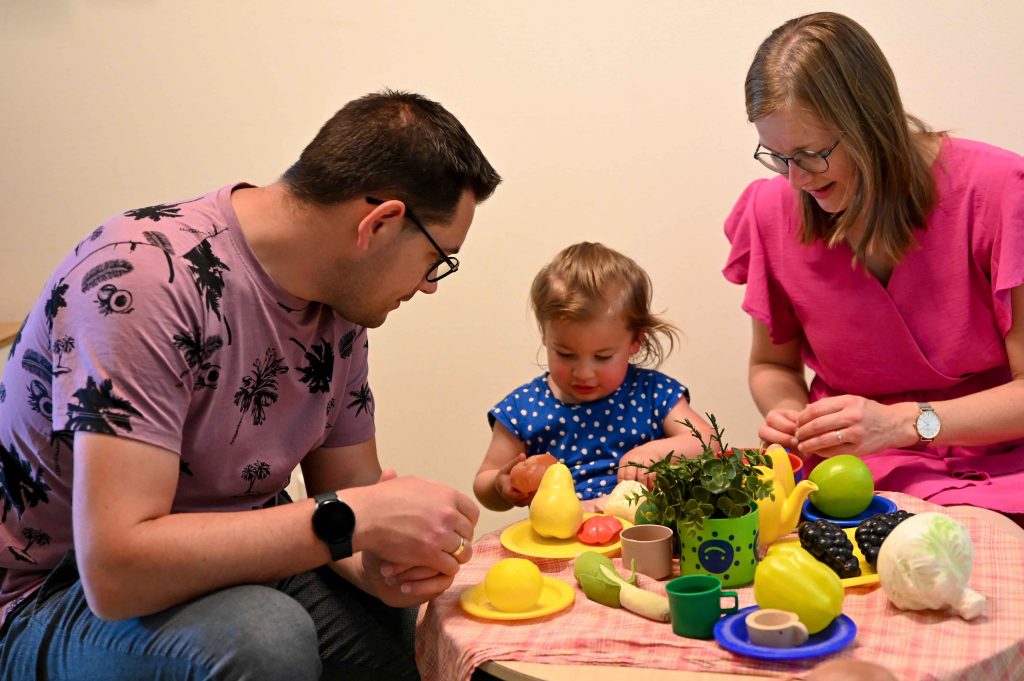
503 484
849 424
637 455
780 427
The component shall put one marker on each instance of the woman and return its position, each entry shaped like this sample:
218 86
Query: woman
889 259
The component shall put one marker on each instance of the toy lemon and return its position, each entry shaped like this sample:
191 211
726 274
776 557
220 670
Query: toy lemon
513 585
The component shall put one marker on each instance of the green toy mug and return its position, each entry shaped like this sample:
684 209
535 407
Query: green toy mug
695 603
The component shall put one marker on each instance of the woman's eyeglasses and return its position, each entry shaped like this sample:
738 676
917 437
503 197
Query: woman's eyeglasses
808 161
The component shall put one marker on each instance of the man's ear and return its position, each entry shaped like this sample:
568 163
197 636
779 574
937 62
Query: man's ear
380 218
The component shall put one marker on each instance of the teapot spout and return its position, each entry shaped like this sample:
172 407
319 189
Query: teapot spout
793 505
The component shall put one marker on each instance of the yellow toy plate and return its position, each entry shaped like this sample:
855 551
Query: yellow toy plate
520 538
556 595
868 574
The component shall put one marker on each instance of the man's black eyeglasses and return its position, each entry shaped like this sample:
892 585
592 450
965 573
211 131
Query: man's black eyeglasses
808 161
446 264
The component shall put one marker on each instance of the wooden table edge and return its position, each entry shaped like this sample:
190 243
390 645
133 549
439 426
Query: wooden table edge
512 670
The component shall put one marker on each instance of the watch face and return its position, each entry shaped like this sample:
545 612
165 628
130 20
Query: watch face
334 521
928 424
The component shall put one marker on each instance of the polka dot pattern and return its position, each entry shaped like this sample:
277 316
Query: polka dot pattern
591 437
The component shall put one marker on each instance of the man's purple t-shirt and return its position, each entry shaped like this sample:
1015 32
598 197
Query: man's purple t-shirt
161 326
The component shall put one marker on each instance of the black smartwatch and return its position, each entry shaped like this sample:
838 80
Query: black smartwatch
335 523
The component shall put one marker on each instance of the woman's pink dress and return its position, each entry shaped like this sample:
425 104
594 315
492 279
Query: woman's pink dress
936 330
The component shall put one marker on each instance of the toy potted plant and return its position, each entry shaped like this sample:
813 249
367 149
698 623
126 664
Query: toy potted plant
711 499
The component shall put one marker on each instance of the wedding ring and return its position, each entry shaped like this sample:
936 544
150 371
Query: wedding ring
462 547
839 435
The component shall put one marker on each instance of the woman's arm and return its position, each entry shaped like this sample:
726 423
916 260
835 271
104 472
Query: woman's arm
777 385
985 417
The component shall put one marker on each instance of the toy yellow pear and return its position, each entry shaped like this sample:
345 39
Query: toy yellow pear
556 511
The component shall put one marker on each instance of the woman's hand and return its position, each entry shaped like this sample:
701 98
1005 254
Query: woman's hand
779 427
849 424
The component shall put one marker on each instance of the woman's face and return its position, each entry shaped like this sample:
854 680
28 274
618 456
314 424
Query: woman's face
792 129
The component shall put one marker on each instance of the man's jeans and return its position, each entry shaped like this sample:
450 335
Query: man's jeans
311 626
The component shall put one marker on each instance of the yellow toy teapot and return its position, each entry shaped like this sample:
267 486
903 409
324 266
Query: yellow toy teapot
779 517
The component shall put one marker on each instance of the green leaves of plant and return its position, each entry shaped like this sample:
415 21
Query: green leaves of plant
719 482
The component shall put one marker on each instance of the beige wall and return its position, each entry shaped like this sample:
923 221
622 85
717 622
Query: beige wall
613 121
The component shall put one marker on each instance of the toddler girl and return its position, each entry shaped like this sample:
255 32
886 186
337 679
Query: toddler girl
595 409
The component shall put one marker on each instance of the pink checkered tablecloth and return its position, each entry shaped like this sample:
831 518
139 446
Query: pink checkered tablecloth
914 645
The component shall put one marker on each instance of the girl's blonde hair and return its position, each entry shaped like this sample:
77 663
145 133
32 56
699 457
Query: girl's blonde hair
586 280
829 64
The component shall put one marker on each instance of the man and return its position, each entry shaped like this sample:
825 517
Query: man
179 364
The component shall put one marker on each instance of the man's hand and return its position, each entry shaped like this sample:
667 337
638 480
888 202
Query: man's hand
411 521
413 586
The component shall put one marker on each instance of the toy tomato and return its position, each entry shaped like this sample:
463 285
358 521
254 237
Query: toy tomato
599 529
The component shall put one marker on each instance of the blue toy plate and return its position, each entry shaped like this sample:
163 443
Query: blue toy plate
878 505
731 634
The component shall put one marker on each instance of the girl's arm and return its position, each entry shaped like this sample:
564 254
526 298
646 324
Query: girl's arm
678 439
985 417
493 485
777 385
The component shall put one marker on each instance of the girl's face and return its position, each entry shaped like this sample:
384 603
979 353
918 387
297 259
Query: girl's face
588 360
792 129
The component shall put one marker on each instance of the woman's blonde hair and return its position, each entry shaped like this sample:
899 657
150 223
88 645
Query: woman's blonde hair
829 64
586 280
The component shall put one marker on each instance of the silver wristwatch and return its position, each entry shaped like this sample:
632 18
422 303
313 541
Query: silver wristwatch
928 423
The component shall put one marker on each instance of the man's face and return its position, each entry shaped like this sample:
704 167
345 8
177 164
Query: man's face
396 269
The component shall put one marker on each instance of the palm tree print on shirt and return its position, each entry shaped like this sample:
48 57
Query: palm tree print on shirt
318 373
159 211
208 276
18 486
55 303
32 536
64 345
99 410
198 350
259 389
256 471
363 400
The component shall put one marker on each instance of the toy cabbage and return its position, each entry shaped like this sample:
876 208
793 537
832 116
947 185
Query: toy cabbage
618 503
925 563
